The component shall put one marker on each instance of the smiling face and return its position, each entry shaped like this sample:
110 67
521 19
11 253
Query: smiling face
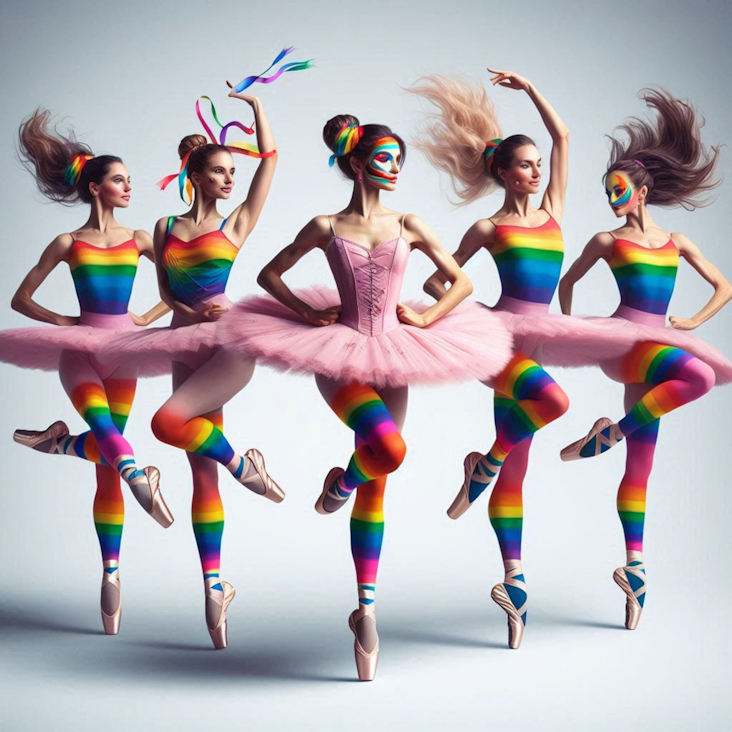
524 174
622 195
114 189
217 178
382 167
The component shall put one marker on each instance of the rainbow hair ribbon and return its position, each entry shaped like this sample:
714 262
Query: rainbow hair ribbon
262 79
490 148
74 168
185 186
347 138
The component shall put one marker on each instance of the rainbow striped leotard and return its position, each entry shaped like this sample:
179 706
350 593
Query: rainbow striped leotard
198 269
103 278
645 276
529 261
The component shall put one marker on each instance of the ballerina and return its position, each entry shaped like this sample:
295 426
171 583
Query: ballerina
365 347
102 256
663 163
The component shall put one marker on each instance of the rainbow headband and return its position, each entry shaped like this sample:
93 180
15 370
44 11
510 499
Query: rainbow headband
185 186
346 140
262 79
490 148
74 168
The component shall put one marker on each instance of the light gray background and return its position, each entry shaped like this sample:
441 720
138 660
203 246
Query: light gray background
126 76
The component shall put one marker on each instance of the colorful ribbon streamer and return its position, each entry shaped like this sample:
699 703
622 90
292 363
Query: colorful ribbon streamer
74 168
185 186
262 79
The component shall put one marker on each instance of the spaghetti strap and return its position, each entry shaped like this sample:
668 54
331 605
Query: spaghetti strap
612 234
171 220
223 223
401 226
330 223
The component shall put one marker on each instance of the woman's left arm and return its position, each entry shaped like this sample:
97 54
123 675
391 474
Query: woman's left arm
722 288
245 216
145 247
421 237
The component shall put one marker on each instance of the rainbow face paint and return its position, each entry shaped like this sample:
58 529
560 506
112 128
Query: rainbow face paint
383 165
620 190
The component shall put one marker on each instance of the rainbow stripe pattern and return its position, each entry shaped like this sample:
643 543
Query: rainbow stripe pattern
645 276
367 536
631 501
505 508
207 513
103 278
529 260
381 448
105 408
199 435
198 269
654 363
537 401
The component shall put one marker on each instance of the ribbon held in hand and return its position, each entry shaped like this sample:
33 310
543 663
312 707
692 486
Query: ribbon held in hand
262 79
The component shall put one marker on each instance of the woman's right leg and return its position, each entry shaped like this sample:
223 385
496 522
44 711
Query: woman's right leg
377 417
535 401
380 449
182 420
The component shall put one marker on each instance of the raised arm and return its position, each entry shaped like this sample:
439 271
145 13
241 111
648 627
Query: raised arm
23 302
722 288
315 234
553 200
479 235
421 237
245 216
597 248
145 247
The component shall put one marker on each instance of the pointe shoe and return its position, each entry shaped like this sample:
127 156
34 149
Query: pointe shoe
511 596
462 500
111 598
31 438
572 452
218 632
148 495
336 501
366 662
271 490
632 581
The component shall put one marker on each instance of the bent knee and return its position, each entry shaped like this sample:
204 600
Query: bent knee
392 452
166 426
558 401
703 377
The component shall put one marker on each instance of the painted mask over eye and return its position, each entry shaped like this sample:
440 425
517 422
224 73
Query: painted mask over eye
620 189
383 164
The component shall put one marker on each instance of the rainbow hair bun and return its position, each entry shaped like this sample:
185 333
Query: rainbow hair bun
490 148
74 168
346 140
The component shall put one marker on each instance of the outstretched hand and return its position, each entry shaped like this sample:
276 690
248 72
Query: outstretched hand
137 319
211 312
509 79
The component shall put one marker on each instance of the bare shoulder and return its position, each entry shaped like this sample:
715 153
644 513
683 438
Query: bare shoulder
142 239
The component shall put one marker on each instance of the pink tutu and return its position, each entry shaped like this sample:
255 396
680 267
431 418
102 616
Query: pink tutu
570 350
96 335
466 344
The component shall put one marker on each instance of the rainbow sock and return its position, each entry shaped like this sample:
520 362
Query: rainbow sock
381 449
109 516
537 400
367 535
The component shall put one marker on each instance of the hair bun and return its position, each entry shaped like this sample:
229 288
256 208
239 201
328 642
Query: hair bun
334 125
190 142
